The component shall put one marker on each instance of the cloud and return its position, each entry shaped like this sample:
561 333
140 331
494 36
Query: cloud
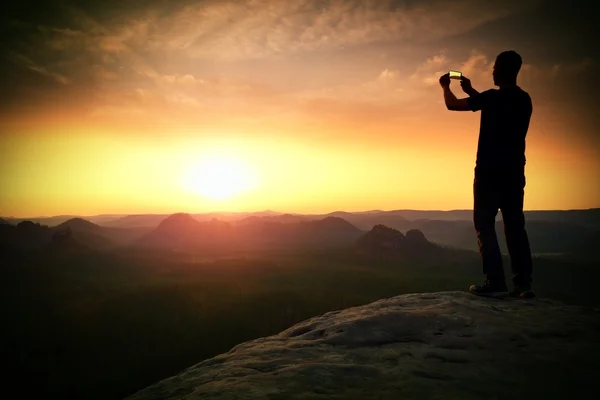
214 87
144 39
156 55
233 30
251 29
391 96
559 70
30 64
387 86
430 71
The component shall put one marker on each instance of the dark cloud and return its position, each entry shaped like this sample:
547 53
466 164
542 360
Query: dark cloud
128 52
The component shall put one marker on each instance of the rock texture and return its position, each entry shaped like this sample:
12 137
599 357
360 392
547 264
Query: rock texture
448 345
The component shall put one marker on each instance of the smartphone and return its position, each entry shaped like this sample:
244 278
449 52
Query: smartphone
455 74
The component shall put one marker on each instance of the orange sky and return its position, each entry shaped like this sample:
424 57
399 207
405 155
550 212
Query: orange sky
308 110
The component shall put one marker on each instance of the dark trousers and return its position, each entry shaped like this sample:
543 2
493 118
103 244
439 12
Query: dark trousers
504 189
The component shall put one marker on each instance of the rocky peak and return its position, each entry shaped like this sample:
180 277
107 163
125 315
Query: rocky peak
379 238
27 225
335 223
178 223
430 345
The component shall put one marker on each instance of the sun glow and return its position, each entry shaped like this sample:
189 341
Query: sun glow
220 177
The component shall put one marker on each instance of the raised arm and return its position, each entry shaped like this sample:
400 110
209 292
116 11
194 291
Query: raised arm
465 84
452 103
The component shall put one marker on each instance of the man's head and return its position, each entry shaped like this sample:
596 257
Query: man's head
507 66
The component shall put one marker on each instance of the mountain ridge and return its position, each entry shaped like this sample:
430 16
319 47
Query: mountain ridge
582 216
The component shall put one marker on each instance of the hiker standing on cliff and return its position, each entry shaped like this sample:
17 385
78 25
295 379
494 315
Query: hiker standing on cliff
499 174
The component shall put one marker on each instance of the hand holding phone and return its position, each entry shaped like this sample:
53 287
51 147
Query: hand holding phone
465 84
445 80
455 74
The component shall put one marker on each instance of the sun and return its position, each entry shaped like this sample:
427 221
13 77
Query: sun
219 177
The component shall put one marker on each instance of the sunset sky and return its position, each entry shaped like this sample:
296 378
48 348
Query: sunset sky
297 106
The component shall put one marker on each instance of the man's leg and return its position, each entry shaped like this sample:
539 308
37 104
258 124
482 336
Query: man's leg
485 209
517 240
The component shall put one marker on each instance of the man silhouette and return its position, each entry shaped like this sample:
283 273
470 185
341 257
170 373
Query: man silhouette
499 174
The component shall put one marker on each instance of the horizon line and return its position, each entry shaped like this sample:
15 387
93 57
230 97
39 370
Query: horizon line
284 213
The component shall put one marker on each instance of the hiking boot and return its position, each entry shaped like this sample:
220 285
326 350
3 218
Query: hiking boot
523 292
490 289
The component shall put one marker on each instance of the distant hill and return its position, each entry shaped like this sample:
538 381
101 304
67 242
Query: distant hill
59 219
397 218
326 232
401 216
79 225
451 215
179 223
552 231
383 243
558 237
137 221
458 233
545 236
368 220
84 233
26 235
182 231
47 221
589 218
234 216
153 220
586 217
30 235
380 238
284 218
63 243
173 226
332 224
102 219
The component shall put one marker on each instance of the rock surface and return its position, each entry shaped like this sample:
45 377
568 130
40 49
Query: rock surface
448 345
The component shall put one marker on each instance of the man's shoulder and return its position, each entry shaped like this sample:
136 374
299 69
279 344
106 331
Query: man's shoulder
485 95
523 93
526 99
490 93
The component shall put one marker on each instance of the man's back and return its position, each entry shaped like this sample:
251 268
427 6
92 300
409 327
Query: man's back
505 116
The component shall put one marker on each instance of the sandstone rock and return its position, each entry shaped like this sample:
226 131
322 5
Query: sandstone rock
380 238
387 244
449 345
